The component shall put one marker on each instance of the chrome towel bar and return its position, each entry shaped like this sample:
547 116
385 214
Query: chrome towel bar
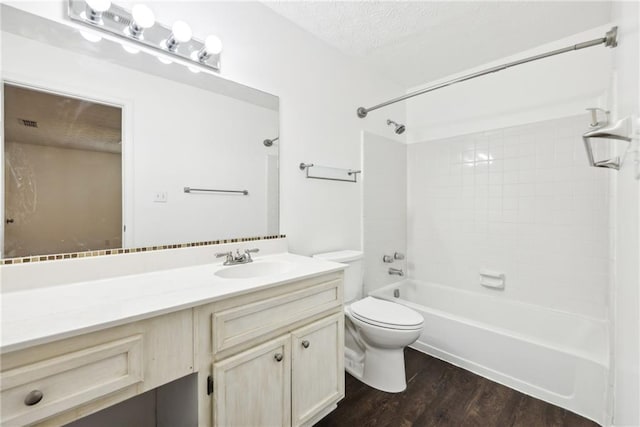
349 172
210 190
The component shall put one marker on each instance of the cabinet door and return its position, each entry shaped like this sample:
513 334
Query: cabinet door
318 367
253 388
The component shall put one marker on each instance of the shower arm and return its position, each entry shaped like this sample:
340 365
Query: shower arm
609 40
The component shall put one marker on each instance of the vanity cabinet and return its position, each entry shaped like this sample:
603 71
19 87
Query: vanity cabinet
286 381
58 382
266 357
275 357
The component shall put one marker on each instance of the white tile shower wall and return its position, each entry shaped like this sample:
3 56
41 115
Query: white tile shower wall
384 207
519 200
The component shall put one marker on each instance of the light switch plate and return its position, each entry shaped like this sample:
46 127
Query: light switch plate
160 197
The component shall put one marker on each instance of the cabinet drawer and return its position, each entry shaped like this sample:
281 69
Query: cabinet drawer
70 380
240 324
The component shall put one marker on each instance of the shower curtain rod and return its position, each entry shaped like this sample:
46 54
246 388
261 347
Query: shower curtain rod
609 40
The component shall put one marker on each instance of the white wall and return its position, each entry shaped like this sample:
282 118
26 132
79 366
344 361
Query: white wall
522 201
319 90
562 85
385 207
626 286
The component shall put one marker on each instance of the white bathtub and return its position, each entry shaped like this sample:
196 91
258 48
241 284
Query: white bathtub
555 356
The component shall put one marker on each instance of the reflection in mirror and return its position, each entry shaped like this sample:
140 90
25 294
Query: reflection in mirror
63 179
178 129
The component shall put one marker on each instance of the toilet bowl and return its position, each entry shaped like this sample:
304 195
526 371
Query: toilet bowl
377 331
382 329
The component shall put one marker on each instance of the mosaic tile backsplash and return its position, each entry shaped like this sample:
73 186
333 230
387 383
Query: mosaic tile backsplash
85 254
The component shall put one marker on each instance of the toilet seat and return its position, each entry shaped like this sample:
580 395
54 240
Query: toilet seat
386 314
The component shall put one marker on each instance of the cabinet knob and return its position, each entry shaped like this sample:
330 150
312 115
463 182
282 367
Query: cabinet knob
305 344
33 397
278 357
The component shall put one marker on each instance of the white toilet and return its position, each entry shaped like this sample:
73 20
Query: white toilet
377 331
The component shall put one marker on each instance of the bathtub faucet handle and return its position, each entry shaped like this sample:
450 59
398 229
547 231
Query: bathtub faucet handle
388 258
398 256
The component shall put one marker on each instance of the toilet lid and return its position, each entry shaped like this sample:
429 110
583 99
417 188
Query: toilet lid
386 314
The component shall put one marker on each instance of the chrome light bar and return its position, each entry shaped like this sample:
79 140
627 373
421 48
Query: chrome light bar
120 23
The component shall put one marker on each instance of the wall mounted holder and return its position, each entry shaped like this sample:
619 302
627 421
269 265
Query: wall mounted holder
492 279
120 23
621 131
351 175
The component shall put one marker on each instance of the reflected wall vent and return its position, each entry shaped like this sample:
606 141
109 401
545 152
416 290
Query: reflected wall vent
28 123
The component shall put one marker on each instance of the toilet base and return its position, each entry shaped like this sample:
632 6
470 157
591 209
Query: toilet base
382 369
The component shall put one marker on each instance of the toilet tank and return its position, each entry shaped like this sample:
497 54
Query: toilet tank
353 276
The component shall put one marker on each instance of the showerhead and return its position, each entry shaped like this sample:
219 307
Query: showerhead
399 127
269 142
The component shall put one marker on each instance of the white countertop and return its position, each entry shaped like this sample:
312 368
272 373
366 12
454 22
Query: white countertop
48 314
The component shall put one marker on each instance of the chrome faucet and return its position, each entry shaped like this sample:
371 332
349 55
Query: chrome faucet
396 271
238 258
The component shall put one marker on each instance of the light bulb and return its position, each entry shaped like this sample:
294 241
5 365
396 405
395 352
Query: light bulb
99 5
213 45
94 8
143 16
89 36
194 70
164 60
130 49
181 31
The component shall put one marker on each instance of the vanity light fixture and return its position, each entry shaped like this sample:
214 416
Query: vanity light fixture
138 30
143 18
95 8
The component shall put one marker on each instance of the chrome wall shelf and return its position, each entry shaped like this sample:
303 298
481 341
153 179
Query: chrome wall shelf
330 173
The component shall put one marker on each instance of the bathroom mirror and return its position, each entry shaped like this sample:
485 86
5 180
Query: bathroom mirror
169 135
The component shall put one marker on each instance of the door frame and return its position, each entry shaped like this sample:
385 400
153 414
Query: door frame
42 84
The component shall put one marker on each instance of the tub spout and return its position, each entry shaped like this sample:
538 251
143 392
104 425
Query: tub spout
396 272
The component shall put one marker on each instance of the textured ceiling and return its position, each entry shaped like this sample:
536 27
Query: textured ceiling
417 42
61 121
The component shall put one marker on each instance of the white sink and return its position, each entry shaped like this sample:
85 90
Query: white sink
255 269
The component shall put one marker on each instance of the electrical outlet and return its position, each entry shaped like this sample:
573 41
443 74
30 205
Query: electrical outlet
160 197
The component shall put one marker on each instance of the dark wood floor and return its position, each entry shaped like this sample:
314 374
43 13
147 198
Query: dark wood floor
440 394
